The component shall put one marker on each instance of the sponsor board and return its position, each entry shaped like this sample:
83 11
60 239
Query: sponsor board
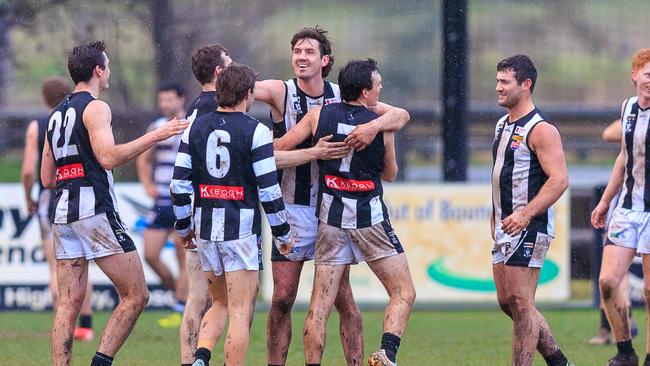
24 271
445 231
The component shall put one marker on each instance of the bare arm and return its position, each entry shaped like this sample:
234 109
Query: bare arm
613 132
599 214
48 168
391 119
545 141
324 150
144 166
97 119
492 223
271 92
305 129
390 162
30 161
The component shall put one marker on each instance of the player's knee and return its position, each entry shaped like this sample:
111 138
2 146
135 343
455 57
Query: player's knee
518 304
607 286
505 308
137 299
283 301
151 258
406 293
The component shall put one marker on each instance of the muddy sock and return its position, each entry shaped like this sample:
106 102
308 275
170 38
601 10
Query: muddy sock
86 321
390 343
556 359
203 354
625 347
101 359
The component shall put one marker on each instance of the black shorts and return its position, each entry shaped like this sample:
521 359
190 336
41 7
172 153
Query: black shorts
161 217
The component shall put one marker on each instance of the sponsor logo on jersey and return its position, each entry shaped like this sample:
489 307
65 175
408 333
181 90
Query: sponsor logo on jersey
515 145
348 185
231 193
330 101
70 171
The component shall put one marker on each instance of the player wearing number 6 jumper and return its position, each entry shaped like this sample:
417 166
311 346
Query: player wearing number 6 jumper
226 161
78 156
354 223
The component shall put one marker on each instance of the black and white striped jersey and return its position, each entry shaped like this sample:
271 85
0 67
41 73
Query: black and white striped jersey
350 190
164 157
635 194
83 187
517 175
206 102
226 161
299 184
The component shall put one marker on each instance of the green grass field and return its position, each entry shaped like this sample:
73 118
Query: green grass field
433 338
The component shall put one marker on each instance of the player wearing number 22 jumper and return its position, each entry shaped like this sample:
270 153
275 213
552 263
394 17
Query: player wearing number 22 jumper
78 156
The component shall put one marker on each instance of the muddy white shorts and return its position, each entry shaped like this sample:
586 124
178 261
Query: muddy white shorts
231 255
96 236
630 229
337 246
304 226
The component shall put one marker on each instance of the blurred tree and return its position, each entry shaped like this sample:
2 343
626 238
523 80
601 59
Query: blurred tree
12 14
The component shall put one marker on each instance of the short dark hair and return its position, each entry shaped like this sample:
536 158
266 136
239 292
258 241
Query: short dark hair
234 83
324 44
83 59
523 67
205 60
356 76
180 92
54 89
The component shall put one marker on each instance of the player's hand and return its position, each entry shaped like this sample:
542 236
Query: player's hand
599 214
362 136
31 205
285 248
152 191
516 222
326 150
172 128
188 241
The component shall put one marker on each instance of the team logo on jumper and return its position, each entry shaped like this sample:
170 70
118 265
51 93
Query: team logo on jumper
630 120
528 249
348 185
231 193
296 105
70 171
